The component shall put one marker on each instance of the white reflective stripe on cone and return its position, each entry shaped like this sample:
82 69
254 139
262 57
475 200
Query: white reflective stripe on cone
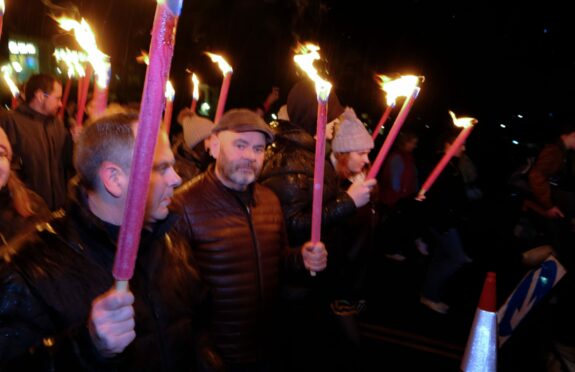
481 350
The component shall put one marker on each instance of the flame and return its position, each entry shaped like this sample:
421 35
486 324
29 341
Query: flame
196 83
400 87
74 61
305 56
86 39
7 72
143 58
463 122
222 64
170 91
2 7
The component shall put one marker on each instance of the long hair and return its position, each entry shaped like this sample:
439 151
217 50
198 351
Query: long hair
20 197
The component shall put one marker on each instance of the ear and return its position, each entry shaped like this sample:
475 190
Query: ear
214 146
39 95
113 178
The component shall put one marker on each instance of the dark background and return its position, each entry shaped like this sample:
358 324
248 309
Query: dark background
509 63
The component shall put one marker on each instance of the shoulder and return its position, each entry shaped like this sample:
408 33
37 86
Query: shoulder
266 193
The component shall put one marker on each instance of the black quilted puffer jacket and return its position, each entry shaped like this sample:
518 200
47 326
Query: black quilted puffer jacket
288 171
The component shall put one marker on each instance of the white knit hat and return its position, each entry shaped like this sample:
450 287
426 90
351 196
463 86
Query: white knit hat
196 129
351 134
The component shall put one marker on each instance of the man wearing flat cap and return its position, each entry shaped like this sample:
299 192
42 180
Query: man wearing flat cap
237 233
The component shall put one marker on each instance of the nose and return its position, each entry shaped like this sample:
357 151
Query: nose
365 158
249 154
174 180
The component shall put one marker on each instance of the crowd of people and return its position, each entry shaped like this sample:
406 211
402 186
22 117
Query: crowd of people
223 279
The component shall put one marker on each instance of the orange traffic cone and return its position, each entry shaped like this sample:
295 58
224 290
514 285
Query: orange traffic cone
481 350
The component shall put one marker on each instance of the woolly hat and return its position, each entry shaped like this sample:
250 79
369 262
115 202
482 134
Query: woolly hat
244 120
302 106
196 129
351 134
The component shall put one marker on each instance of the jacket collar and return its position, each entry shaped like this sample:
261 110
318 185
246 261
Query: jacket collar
26 110
78 210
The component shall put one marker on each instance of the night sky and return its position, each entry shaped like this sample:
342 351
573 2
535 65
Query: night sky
510 64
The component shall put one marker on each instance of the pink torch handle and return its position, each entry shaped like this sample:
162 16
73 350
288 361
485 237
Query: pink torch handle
83 86
161 52
168 115
396 127
382 121
65 98
193 105
100 99
223 97
319 162
459 141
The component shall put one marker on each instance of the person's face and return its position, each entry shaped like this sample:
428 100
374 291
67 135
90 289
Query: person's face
239 157
569 140
52 101
163 181
357 161
4 159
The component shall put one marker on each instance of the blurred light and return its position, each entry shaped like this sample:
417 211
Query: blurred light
427 126
545 30
58 70
520 116
19 47
515 142
17 66
274 116
205 108
503 125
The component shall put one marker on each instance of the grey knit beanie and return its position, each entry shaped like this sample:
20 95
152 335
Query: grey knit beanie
351 134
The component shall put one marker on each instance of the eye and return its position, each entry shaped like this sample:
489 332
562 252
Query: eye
240 146
162 168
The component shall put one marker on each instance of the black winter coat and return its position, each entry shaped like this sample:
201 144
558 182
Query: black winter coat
42 149
49 281
288 170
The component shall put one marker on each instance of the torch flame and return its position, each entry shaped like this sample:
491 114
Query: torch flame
74 61
463 122
222 64
143 58
305 56
196 83
2 7
7 72
400 87
86 39
170 91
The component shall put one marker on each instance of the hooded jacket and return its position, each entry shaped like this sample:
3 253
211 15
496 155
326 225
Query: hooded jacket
288 170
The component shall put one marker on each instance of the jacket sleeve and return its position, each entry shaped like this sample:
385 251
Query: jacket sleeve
547 164
295 194
22 319
30 336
